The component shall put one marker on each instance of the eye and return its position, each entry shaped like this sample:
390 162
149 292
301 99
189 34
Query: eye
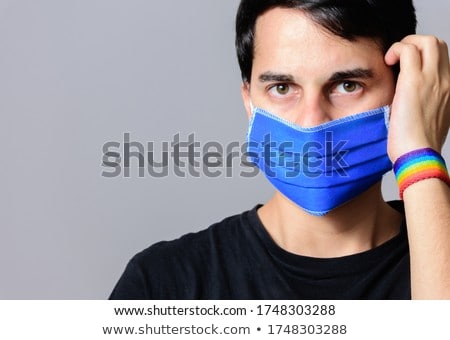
348 87
280 90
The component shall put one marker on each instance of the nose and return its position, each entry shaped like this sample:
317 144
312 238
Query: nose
312 110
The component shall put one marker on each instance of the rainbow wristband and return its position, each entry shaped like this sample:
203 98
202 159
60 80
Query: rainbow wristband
418 165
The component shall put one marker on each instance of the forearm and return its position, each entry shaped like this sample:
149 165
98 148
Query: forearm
427 207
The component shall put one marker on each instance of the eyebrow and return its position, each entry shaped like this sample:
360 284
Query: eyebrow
359 73
270 76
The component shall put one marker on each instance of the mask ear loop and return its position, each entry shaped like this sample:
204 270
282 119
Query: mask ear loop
387 115
252 119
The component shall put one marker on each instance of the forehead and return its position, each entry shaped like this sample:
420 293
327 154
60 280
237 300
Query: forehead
288 40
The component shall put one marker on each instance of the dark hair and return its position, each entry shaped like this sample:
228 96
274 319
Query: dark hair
387 21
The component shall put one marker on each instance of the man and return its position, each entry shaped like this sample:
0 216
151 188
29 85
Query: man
327 77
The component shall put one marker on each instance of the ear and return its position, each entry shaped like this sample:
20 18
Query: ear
245 92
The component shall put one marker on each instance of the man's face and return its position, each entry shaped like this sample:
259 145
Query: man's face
309 76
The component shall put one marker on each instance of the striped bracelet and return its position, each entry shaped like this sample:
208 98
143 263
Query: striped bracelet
418 165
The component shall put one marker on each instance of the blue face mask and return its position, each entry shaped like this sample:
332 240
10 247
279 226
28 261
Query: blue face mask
321 167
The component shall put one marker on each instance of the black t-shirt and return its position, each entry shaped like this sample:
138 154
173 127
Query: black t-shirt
237 259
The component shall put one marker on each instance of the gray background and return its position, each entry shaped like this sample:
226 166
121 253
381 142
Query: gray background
77 74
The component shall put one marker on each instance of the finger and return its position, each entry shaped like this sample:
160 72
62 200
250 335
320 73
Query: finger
444 57
392 55
407 54
433 51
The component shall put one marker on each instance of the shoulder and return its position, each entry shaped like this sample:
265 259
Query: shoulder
195 243
183 268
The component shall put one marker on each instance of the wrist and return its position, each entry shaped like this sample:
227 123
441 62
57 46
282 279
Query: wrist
418 165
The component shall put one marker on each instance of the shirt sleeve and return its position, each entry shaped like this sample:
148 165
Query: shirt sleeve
131 285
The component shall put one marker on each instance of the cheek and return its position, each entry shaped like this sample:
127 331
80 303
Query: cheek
387 93
383 91
388 84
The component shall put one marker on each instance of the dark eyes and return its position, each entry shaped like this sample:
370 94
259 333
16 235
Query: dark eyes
345 87
282 89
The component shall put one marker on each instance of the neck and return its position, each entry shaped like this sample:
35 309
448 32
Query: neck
361 224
